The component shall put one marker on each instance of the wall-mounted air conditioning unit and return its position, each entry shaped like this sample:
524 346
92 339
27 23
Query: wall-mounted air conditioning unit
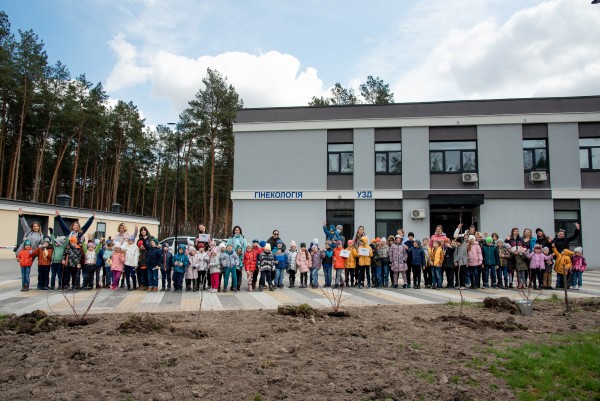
470 177
418 213
537 176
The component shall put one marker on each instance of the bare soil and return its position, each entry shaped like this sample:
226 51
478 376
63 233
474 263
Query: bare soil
377 353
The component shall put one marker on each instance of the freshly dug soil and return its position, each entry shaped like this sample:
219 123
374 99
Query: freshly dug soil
377 353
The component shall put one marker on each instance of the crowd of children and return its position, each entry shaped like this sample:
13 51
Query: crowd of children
469 259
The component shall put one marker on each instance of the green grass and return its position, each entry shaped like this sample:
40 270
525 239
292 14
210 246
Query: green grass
427 376
553 298
567 369
257 397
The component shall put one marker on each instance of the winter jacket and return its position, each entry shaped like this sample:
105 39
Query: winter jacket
58 250
563 243
118 261
273 242
338 261
332 234
538 260
90 257
25 257
202 261
250 261
490 255
364 260
153 258
384 253
316 259
229 260
281 260
237 240
303 261
132 254
563 261
291 260
350 262
107 255
460 256
67 231
398 257
266 261
179 258
375 259
504 256
520 261
416 256
579 264
191 271
474 257
44 256
214 264
327 257
33 237
73 256
436 257
448 257
441 238
143 260
166 260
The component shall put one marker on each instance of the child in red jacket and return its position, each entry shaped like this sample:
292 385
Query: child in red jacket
25 258
44 255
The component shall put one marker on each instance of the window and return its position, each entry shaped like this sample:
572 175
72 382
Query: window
565 220
453 157
340 158
100 231
387 223
388 158
589 153
535 154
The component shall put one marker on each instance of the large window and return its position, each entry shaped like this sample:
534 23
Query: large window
535 154
589 153
565 220
387 222
453 157
340 158
100 230
388 158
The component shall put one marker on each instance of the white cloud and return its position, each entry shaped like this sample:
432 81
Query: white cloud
547 50
126 72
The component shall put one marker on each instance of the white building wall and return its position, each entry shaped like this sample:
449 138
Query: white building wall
415 158
298 220
563 156
501 215
364 159
364 215
500 156
590 221
420 227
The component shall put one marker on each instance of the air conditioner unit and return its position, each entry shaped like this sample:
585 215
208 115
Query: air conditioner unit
418 213
537 176
470 177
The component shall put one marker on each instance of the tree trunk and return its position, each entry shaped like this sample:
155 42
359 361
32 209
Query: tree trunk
185 183
212 181
157 181
39 164
164 199
75 165
3 135
84 181
144 193
128 208
117 171
59 160
16 160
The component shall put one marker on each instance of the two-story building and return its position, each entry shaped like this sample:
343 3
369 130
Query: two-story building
496 164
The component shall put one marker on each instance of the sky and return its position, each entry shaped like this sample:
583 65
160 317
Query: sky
280 53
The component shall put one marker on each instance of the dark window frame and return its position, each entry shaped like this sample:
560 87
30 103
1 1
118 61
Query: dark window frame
589 156
339 153
389 222
461 170
387 160
532 150
569 226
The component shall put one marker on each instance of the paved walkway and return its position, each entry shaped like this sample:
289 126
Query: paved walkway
12 300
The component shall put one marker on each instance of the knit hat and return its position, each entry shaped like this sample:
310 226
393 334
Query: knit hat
279 242
537 230
73 239
314 248
417 242
303 245
471 238
200 245
46 239
109 242
141 242
181 246
315 241
262 244
59 241
90 245
117 245
131 238
398 236
191 249
339 227
155 240
222 246
332 228
545 249
365 240
267 247
578 249
255 241
489 240
27 242
293 243
350 242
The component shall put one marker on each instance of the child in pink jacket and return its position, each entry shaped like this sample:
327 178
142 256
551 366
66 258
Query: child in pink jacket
474 261
537 265
117 265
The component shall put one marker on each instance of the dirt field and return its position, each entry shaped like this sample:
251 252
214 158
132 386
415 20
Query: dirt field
378 353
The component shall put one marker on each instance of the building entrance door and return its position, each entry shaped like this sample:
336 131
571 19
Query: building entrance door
449 219
343 217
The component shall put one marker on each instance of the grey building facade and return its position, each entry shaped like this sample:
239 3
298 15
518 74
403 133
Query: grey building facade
496 164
